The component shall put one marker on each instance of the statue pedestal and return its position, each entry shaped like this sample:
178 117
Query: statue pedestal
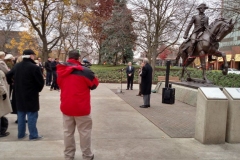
211 116
183 93
233 116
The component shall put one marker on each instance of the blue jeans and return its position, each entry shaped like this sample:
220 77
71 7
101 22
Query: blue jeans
32 124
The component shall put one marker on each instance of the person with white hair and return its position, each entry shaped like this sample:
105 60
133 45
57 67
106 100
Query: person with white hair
8 59
5 105
130 75
146 83
3 65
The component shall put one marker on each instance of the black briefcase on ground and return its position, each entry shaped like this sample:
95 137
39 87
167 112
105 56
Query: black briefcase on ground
168 95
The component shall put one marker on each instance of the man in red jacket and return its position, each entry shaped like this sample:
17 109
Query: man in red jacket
75 82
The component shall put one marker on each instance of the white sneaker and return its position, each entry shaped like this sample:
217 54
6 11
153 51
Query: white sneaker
36 139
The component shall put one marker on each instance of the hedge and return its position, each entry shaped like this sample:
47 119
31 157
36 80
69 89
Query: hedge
112 74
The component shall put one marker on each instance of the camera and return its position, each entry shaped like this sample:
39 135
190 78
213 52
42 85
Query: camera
86 63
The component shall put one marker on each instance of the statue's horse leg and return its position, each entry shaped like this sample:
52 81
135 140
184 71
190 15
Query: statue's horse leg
223 55
203 64
186 63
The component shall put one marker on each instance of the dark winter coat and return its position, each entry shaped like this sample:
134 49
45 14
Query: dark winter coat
48 66
28 82
54 66
128 71
146 81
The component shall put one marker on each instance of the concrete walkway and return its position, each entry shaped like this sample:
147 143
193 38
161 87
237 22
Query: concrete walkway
119 133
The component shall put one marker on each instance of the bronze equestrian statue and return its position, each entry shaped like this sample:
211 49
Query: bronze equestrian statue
205 43
200 22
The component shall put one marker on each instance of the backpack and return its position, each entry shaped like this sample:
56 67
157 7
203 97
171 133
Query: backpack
4 125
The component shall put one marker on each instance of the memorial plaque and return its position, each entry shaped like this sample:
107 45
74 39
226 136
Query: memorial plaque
234 93
213 93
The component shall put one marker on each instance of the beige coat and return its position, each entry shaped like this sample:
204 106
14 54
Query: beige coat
139 77
5 105
3 66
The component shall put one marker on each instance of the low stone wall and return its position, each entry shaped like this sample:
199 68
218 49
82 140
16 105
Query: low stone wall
184 94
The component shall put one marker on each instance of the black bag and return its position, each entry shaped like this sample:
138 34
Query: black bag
4 125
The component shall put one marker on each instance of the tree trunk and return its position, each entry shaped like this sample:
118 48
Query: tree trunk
115 61
99 53
45 50
99 57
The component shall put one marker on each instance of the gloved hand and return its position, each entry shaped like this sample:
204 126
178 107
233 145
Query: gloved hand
4 96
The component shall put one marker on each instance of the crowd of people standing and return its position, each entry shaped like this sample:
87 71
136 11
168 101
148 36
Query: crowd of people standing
26 75
10 75
26 78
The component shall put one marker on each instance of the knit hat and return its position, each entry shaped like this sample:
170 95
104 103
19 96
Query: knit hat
9 56
28 52
74 54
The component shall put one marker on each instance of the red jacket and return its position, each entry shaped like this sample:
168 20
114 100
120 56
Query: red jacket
75 82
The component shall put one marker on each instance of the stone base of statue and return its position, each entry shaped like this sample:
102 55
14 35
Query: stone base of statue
197 80
185 92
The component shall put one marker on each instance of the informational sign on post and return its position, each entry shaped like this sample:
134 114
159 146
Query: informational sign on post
234 93
213 93
233 119
211 116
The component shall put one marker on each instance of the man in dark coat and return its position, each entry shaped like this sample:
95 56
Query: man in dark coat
146 83
40 64
48 69
54 73
28 82
130 75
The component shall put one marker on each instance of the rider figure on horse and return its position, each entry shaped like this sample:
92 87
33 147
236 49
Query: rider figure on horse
200 25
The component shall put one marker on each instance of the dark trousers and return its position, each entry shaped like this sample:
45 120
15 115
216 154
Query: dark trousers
0 126
54 82
146 99
129 82
48 78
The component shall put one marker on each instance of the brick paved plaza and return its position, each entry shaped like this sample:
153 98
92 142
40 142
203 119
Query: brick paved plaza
120 131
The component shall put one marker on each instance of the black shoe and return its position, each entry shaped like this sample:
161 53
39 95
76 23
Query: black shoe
131 89
4 134
143 106
92 157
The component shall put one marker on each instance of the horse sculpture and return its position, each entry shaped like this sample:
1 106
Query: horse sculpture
207 44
